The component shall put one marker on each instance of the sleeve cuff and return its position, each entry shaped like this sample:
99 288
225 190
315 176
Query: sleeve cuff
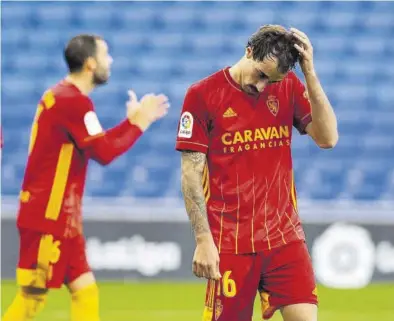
195 147
131 127
303 123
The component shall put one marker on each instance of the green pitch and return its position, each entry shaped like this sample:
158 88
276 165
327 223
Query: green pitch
184 301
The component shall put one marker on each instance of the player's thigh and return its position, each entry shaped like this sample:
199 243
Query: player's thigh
287 278
78 274
299 312
42 260
231 298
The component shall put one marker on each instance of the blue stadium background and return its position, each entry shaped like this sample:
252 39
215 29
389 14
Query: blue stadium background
166 46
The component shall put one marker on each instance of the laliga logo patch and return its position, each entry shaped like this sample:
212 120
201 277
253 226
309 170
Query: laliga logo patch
273 105
218 309
186 125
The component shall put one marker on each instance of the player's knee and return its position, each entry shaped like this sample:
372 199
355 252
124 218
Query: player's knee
88 295
300 312
85 304
81 282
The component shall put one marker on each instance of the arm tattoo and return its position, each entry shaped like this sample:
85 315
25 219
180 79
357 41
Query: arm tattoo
192 170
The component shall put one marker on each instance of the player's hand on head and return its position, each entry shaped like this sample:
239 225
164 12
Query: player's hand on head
147 110
206 260
305 48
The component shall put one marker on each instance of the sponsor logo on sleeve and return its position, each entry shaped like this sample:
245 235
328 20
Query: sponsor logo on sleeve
186 125
92 123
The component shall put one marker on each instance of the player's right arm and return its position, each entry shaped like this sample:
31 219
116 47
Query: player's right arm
104 146
193 164
192 141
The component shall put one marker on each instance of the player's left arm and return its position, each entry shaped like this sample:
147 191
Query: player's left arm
323 126
83 125
105 146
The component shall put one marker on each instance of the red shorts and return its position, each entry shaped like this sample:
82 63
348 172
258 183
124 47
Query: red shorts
46 261
282 276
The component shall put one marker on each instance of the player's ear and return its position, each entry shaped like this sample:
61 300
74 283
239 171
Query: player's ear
249 52
91 64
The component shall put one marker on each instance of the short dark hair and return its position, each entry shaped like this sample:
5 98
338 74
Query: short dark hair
274 41
79 49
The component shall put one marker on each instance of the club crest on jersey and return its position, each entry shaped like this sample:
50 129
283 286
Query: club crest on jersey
273 105
186 125
218 309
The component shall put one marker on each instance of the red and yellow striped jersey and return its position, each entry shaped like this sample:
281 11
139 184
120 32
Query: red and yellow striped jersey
65 134
249 183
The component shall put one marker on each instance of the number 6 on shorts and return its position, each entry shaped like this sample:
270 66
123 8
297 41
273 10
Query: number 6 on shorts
228 285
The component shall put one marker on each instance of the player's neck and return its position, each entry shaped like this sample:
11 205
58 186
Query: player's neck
81 82
235 73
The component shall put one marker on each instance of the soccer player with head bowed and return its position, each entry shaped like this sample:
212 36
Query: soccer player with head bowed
235 135
66 133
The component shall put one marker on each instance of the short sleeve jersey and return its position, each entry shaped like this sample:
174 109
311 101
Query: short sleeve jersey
249 182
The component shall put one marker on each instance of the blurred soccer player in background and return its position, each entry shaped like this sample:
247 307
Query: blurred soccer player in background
66 133
235 135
